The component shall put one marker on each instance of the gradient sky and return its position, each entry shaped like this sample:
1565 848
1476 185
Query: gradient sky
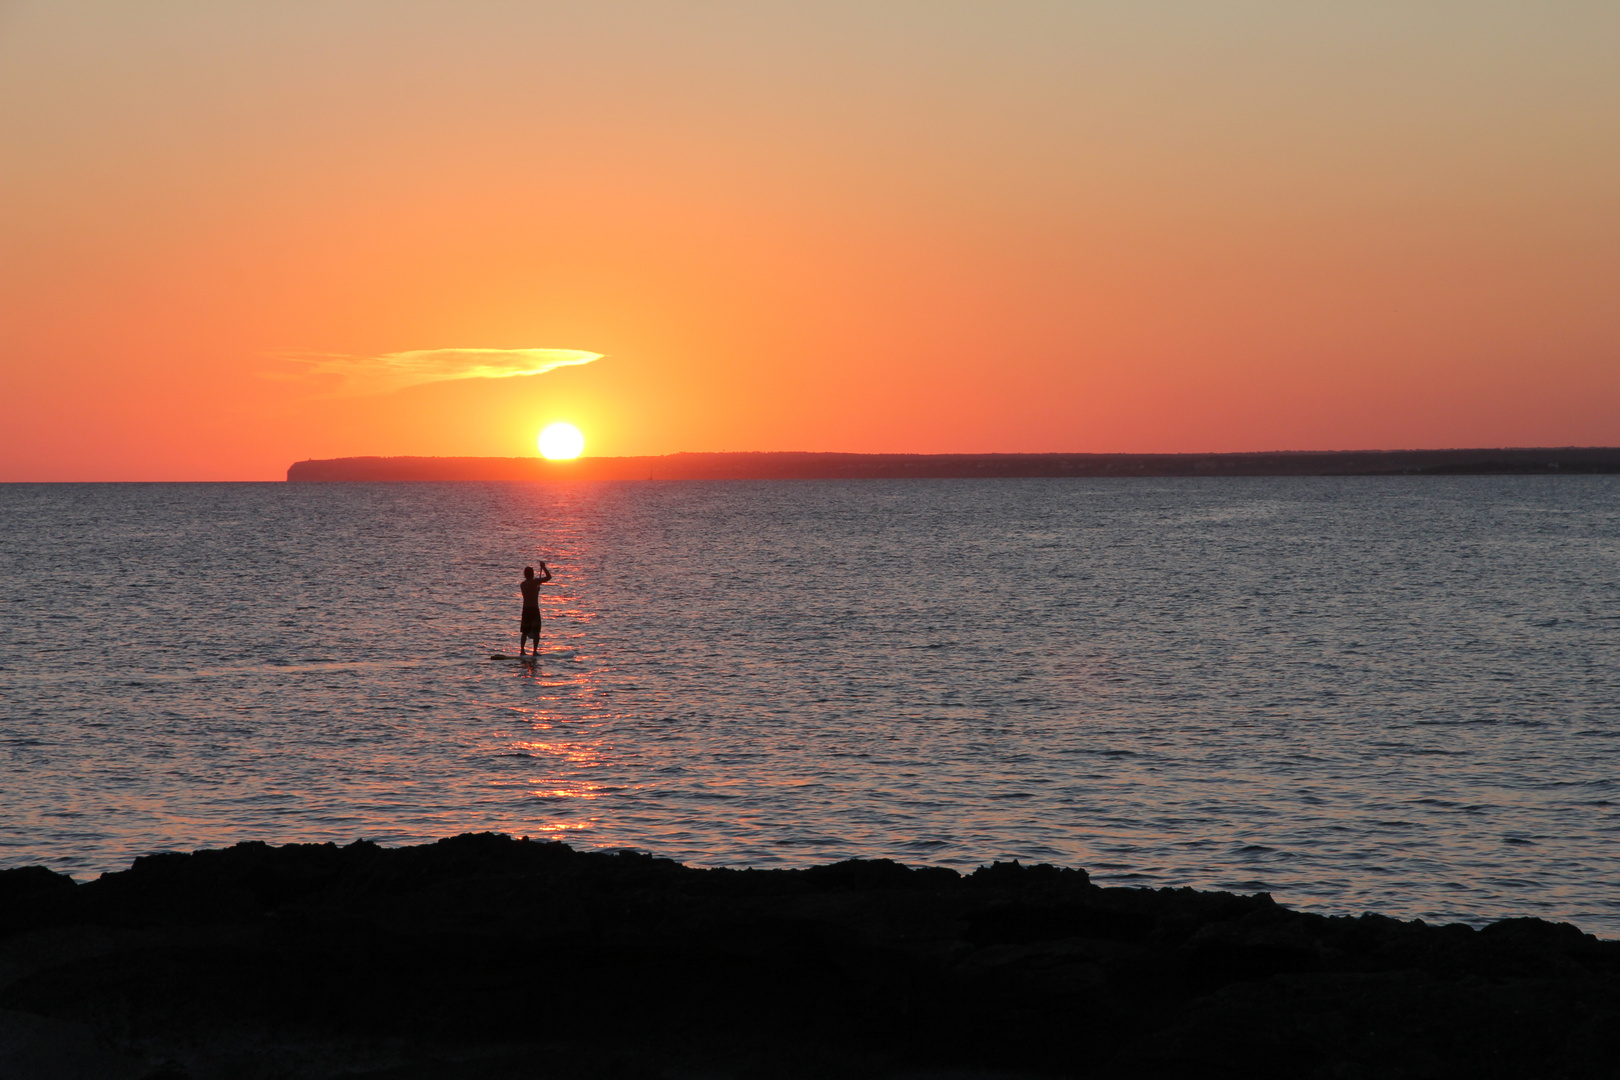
235 235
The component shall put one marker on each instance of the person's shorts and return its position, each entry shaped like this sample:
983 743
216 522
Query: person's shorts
531 624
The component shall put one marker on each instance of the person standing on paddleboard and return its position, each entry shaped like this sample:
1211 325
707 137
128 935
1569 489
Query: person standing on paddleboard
530 627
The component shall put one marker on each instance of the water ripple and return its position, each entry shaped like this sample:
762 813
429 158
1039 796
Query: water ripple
1394 694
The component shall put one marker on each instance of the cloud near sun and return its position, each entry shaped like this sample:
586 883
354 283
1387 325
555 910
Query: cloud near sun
395 371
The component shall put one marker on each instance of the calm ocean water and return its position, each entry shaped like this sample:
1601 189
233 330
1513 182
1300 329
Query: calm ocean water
1360 694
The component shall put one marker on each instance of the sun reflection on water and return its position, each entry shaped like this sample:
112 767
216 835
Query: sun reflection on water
558 744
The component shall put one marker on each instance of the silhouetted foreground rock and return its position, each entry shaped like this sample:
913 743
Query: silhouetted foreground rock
484 956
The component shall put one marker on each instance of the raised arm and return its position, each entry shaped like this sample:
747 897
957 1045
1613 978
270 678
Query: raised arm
545 573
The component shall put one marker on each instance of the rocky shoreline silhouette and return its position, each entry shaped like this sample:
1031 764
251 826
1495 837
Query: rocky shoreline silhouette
484 956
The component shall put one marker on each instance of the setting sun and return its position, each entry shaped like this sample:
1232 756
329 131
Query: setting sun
561 441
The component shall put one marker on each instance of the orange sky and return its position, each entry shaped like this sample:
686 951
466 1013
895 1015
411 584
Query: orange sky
931 227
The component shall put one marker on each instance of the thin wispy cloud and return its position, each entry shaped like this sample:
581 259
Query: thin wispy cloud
395 371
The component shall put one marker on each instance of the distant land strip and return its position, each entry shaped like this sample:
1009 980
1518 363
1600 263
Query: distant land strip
812 466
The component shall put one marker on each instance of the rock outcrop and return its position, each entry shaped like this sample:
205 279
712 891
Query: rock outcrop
487 956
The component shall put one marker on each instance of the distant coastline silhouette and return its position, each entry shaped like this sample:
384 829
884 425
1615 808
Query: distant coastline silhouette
828 466
529 626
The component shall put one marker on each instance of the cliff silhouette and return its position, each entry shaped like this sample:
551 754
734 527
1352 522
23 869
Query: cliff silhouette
816 466
484 956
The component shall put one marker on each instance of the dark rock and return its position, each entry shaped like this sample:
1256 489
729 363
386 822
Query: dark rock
41 1048
483 955
28 880
1010 924
865 875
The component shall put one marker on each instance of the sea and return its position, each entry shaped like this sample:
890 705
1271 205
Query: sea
1389 694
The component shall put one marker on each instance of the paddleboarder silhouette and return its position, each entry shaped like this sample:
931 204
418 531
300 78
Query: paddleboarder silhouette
530 626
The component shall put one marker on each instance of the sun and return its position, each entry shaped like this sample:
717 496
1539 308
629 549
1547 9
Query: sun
561 441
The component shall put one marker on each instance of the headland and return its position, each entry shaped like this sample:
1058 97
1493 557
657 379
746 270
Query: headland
491 957
817 466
